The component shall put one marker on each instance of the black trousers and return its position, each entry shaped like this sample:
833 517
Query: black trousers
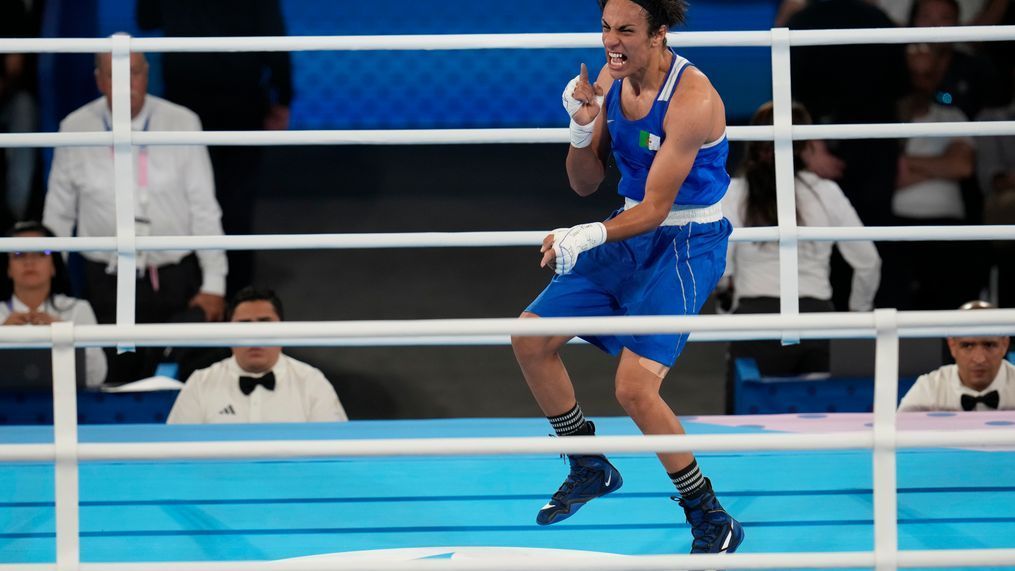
931 275
774 359
178 283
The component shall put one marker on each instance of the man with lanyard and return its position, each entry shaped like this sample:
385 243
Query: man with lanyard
174 196
662 254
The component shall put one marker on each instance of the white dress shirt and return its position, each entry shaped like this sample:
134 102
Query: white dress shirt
942 390
174 188
754 266
938 197
76 311
213 396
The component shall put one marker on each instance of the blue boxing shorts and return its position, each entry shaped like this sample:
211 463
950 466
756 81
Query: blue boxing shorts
669 271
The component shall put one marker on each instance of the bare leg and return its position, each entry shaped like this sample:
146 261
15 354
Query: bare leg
544 371
637 387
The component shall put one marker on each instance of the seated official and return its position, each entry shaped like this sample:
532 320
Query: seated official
980 379
257 384
34 292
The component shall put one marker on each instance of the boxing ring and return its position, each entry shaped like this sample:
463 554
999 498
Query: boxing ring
841 490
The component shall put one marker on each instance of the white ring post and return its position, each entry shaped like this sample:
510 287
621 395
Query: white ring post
65 439
782 99
886 392
123 181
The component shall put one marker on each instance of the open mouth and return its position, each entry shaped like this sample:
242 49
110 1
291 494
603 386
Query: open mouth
616 59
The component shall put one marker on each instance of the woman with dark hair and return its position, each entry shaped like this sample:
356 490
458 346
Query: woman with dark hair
34 293
752 268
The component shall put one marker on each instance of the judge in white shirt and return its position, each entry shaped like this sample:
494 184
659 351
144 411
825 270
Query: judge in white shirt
752 268
257 384
34 295
174 195
980 379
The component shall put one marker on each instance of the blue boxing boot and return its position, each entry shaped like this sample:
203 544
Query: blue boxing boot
590 478
714 530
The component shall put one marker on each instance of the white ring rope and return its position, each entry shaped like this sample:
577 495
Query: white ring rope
810 325
605 562
481 239
889 326
491 136
507 41
258 449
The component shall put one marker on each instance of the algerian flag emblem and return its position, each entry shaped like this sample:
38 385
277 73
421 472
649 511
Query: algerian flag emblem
649 141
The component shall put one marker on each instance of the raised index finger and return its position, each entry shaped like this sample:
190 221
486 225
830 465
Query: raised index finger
583 75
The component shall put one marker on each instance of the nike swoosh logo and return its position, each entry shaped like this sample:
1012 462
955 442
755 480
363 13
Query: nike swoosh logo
726 542
546 507
609 477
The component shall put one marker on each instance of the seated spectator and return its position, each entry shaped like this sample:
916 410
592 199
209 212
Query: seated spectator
929 192
752 268
257 384
175 196
980 379
35 292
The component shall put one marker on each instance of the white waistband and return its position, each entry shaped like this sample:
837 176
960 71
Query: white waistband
681 215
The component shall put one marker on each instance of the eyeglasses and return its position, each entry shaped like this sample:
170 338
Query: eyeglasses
23 255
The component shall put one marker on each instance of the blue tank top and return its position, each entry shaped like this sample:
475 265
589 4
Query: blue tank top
635 144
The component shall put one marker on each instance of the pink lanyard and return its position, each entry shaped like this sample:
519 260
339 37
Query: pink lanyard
142 185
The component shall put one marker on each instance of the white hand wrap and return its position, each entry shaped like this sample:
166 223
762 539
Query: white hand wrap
581 135
568 243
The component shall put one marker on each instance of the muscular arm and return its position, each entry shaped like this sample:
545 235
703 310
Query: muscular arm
695 116
586 168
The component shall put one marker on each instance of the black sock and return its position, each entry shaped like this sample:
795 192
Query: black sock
689 481
571 423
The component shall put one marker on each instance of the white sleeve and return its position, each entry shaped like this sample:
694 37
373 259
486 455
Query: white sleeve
920 397
60 210
187 409
324 405
205 215
732 206
95 358
861 255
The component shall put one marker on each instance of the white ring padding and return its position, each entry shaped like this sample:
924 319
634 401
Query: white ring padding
65 438
886 392
123 185
782 125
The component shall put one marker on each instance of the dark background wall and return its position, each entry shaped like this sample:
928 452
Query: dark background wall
440 188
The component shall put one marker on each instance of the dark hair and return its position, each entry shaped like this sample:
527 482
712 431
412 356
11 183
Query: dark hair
759 167
661 13
915 7
61 280
251 293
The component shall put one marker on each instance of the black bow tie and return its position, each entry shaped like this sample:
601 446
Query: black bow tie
991 399
248 384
